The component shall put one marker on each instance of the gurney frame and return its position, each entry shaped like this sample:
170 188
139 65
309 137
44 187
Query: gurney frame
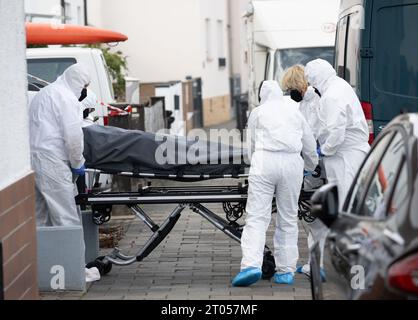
232 197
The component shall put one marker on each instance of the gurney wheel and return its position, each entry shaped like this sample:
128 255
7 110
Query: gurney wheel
107 266
103 267
269 266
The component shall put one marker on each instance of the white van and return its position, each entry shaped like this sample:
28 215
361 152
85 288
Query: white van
49 63
283 33
45 65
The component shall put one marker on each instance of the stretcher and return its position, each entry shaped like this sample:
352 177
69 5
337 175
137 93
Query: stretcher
232 197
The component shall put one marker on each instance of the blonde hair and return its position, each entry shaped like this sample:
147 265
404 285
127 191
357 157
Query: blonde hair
294 78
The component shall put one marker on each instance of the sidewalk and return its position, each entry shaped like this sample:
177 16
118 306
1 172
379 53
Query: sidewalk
196 261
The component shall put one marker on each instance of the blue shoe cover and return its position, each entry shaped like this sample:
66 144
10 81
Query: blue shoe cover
287 278
299 269
247 277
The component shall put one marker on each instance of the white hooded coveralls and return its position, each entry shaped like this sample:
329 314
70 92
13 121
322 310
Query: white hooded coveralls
277 135
56 140
343 133
317 231
309 107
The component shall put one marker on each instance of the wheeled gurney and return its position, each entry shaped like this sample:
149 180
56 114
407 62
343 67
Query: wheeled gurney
233 197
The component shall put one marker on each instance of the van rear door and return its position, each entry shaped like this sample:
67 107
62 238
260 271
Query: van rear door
394 62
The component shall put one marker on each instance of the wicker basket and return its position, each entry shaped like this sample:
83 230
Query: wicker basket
110 236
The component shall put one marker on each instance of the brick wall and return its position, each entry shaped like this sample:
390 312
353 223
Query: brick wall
18 238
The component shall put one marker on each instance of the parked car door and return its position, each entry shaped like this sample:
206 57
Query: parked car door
350 256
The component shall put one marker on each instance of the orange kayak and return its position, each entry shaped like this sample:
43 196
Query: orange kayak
55 34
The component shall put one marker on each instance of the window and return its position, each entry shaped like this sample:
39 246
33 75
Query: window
80 19
355 197
396 50
67 11
383 181
208 33
49 69
353 50
414 206
400 195
221 49
341 42
287 58
348 48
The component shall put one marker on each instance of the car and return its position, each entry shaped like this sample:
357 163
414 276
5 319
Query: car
371 249
376 52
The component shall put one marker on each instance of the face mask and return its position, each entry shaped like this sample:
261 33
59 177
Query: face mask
83 94
86 113
296 96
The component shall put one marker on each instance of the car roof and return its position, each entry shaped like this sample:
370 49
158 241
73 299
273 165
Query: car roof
409 121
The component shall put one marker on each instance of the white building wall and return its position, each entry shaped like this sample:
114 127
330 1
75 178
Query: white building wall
163 36
238 41
94 12
215 79
74 11
167 38
14 132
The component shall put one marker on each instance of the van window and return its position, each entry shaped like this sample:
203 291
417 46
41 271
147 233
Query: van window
348 48
49 69
287 58
341 46
353 50
396 50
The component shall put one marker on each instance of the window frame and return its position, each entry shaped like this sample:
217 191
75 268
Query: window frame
393 131
337 41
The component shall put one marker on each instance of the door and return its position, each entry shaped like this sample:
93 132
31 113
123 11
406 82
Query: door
394 65
350 257
348 43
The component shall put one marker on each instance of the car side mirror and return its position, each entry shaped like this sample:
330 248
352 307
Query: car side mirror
325 204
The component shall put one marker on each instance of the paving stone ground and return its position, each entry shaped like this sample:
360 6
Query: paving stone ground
195 262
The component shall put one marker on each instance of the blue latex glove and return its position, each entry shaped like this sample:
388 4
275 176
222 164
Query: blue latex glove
319 152
80 171
307 173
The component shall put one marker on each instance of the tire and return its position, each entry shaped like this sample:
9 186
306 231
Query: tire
98 264
107 266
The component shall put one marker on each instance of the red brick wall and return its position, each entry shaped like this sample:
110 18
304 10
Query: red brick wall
18 237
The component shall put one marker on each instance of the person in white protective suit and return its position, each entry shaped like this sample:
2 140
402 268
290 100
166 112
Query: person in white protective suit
277 135
294 82
56 141
343 131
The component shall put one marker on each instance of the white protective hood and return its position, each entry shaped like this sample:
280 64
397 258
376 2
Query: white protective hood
318 72
75 78
270 91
